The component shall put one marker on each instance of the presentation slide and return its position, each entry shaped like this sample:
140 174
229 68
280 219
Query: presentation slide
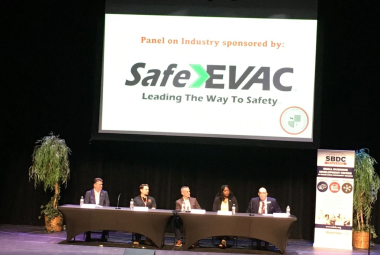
245 78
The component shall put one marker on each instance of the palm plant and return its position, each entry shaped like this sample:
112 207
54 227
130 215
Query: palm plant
366 186
51 167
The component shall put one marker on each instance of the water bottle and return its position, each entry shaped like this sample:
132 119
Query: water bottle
183 206
288 210
233 209
81 201
131 204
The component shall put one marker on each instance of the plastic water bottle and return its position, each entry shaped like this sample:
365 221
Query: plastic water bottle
131 204
183 206
288 210
233 209
81 201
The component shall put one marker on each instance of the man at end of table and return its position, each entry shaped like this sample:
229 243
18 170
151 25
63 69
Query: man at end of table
97 196
263 205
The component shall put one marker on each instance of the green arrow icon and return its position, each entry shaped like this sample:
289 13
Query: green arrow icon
203 76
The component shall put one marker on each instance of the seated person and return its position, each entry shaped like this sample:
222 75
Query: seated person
263 205
97 196
146 201
190 203
223 201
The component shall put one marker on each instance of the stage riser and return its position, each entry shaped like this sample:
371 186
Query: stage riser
139 252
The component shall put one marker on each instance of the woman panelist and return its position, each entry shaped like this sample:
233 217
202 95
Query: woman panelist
224 201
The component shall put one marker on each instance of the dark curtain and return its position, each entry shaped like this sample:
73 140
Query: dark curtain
48 86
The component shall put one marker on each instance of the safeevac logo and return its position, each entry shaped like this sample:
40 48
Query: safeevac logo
212 77
294 120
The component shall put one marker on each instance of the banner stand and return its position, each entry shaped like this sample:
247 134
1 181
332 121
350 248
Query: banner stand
334 199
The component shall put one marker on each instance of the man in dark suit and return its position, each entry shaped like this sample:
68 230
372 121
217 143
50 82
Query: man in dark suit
145 201
97 196
189 203
263 205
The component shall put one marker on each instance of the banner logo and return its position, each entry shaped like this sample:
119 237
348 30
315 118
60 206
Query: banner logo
336 159
322 186
334 187
347 188
294 120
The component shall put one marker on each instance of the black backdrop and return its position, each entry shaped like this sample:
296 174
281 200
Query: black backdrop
47 85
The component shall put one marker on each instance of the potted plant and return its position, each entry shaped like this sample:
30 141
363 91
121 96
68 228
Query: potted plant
366 186
51 167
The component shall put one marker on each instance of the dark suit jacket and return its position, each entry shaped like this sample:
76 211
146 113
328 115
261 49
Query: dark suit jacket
218 203
272 206
193 203
137 201
103 198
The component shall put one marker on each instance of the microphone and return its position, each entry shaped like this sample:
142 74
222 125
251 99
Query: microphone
118 198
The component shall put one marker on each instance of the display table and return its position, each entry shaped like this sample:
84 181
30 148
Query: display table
267 228
152 223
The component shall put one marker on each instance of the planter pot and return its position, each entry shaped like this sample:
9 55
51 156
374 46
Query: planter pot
360 239
54 225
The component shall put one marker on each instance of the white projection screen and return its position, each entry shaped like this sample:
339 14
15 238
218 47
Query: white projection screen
235 72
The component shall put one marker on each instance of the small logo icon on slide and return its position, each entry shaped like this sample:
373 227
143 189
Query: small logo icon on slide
294 120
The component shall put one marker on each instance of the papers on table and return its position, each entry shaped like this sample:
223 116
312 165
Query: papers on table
88 206
141 209
281 215
224 212
198 211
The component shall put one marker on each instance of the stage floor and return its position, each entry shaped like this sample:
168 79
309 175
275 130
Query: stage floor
16 239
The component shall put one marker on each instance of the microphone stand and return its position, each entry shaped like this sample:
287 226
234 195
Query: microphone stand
118 198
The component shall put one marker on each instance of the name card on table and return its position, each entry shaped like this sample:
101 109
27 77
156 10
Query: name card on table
198 211
224 212
141 209
281 215
89 206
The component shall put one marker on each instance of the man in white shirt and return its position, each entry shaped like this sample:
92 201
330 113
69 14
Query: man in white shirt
97 196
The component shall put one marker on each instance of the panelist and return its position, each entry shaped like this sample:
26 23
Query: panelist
144 200
189 203
263 205
223 201
97 196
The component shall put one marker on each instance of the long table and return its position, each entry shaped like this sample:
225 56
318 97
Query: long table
153 224
264 227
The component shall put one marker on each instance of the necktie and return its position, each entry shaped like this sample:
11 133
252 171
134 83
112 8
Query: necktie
262 207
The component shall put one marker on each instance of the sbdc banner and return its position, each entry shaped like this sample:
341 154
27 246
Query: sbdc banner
334 199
